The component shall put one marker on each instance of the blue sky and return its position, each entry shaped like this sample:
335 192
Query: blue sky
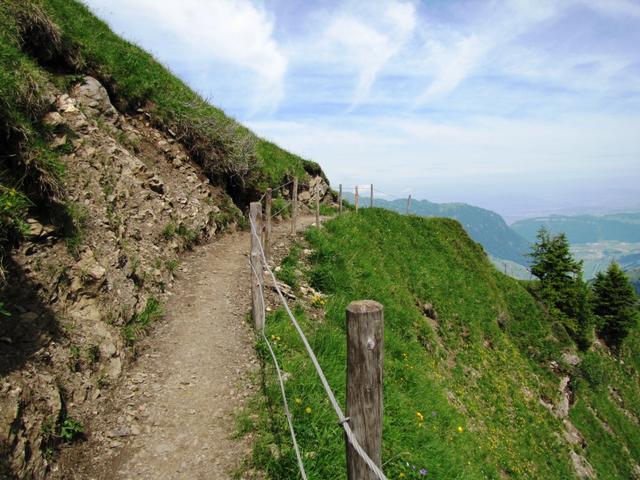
521 106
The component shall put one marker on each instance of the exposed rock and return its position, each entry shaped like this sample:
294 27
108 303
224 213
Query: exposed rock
119 432
90 268
572 435
562 408
582 467
94 97
115 368
304 196
429 311
53 119
571 359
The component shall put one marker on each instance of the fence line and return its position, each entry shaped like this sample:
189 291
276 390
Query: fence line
285 404
342 420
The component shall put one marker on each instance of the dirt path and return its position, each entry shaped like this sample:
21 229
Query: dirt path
178 402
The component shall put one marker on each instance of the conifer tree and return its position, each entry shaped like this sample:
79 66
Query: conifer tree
561 285
614 303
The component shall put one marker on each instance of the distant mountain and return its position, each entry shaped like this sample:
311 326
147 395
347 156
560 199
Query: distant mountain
630 262
486 227
634 276
622 227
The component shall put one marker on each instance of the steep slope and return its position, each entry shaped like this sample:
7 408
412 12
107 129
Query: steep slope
486 227
479 382
623 227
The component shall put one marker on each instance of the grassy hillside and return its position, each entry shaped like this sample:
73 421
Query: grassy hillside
463 393
623 227
48 46
53 41
486 227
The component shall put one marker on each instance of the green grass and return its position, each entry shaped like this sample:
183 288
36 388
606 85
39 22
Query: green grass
484 368
287 271
138 324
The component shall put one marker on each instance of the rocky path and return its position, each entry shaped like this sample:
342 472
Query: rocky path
175 417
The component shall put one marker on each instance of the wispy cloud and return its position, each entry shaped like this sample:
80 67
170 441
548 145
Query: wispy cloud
363 37
235 32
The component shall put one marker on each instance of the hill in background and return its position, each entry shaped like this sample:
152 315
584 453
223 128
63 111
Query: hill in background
622 227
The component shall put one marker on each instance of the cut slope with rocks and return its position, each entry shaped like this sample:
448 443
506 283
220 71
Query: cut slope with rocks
79 290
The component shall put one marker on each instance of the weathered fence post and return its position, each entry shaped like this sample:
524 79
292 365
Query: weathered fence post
340 199
255 214
371 199
294 204
365 353
408 204
317 207
267 224
356 199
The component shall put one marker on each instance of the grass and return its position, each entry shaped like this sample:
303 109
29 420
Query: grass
138 324
287 271
461 395
186 234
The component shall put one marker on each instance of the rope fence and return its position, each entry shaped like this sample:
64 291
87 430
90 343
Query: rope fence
258 263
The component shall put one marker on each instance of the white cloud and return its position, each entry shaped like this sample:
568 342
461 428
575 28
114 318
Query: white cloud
232 31
454 57
366 39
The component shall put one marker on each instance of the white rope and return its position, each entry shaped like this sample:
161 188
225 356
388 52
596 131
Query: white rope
281 210
281 381
342 420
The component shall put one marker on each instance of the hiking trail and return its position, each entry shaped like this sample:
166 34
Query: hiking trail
172 415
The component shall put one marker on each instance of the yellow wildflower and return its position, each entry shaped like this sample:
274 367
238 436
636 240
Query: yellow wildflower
420 416
298 401
460 429
307 410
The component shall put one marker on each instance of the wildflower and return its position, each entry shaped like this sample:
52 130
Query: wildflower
460 429
307 410
420 416
402 475
273 337
12 193
298 401
423 471
278 338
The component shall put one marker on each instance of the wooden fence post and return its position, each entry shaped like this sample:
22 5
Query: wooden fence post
340 199
255 214
408 204
371 198
294 204
365 354
356 199
267 224
317 206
